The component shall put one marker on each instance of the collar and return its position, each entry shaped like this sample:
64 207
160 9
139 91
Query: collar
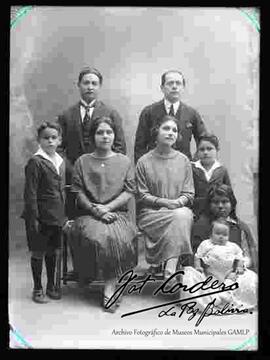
231 220
168 104
84 103
56 160
208 173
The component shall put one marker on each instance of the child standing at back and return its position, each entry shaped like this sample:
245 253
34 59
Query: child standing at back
44 211
207 171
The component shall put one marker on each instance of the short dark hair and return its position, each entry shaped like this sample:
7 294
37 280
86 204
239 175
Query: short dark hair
159 122
97 122
163 76
213 139
47 124
90 70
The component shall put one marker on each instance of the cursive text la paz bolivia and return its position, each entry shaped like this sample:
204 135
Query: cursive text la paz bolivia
131 283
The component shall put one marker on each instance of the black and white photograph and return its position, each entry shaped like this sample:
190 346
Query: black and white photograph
133 178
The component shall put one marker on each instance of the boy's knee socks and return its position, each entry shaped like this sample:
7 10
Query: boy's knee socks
36 265
50 260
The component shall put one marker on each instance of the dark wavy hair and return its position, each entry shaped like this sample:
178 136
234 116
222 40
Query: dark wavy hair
213 139
160 121
90 70
163 76
221 190
95 125
48 124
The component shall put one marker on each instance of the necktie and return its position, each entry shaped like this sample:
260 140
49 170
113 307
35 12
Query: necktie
171 113
86 118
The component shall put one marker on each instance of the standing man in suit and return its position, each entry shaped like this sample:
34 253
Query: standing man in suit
76 120
189 120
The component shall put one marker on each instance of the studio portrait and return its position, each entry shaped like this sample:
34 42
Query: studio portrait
133 178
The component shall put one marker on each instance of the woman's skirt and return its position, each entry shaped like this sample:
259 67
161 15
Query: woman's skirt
168 233
103 250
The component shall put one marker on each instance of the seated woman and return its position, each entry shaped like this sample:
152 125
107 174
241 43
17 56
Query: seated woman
207 171
164 189
102 235
221 202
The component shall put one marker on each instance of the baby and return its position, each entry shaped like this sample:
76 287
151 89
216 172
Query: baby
218 256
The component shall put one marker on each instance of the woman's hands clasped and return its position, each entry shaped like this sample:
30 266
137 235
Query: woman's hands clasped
105 214
168 203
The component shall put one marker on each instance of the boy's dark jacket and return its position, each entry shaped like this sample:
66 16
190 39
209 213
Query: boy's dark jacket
44 192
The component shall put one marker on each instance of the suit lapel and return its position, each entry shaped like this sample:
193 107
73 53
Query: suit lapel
200 174
96 111
178 112
159 110
77 121
216 174
48 164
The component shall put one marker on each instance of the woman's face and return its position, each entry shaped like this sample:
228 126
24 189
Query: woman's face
167 133
104 137
220 206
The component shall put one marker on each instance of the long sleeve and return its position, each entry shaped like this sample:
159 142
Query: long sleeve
119 142
129 182
226 178
187 194
199 127
142 137
143 193
82 200
32 176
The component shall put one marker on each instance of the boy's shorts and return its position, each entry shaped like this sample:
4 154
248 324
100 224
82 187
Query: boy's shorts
47 238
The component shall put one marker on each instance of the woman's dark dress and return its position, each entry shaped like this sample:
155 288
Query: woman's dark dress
101 248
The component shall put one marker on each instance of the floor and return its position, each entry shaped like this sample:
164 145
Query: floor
77 321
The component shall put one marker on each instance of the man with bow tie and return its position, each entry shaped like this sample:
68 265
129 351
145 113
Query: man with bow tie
189 120
76 121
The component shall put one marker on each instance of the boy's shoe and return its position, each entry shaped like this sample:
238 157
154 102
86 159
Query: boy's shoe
53 293
39 297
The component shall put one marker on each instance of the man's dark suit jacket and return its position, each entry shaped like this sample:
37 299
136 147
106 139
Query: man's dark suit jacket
189 120
72 146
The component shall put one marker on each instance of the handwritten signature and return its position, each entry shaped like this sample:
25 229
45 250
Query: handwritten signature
214 287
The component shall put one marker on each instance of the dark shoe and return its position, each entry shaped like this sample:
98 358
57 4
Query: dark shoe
112 308
53 293
39 297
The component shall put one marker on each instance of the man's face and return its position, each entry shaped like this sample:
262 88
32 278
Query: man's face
173 87
89 87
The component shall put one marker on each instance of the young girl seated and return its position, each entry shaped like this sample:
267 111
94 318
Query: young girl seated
224 261
207 171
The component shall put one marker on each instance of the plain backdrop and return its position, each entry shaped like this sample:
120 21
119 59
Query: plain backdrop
217 49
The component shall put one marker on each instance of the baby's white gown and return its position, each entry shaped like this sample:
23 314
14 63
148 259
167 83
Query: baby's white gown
219 260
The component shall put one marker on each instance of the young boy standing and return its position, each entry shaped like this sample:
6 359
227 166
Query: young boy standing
44 211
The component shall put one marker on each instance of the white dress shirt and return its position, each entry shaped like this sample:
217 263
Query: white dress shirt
168 106
208 173
83 109
56 160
